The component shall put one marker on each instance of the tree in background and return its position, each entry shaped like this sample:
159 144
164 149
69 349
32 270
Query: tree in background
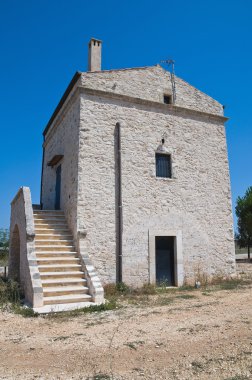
4 245
244 214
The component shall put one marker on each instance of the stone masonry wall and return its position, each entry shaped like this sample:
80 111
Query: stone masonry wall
195 201
150 83
62 139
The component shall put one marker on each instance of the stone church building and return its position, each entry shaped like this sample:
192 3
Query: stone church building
135 187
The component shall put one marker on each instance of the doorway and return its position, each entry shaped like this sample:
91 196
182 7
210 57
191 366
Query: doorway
165 272
58 188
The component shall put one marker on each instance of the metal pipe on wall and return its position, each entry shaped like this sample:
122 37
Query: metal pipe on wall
119 202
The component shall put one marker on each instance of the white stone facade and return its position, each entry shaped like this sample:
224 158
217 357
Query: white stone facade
194 205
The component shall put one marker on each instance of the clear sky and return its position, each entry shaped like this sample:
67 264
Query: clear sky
43 43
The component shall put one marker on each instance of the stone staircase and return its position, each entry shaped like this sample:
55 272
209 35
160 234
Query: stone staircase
63 281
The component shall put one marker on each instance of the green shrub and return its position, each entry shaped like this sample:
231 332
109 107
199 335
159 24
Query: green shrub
121 287
9 292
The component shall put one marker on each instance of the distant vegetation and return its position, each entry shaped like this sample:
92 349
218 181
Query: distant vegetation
244 214
4 246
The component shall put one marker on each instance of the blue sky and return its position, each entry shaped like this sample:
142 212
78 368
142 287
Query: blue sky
44 42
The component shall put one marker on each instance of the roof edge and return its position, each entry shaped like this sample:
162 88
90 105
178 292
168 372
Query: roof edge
74 80
125 69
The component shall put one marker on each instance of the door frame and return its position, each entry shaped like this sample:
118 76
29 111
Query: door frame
178 255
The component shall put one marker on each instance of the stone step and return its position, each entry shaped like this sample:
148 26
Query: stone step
64 290
53 236
59 267
54 230
60 212
55 254
54 242
49 217
58 260
67 299
57 308
51 223
54 248
63 275
59 282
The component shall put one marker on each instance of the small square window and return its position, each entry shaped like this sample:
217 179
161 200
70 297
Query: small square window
163 165
167 99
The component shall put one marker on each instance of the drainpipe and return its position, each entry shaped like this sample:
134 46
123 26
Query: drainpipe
119 203
42 172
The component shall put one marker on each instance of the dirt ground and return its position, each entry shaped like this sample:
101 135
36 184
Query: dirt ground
179 335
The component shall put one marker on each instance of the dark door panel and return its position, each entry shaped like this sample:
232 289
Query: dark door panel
165 260
58 188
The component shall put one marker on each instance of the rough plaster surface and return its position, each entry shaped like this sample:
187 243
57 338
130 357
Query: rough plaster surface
196 201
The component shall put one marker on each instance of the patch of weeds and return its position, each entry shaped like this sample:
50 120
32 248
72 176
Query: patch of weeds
230 284
10 296
9 292
100 376
134 345
121 287
207 293
163 301
26 312
115 290
147 289
61 338
194 330
162 286
185 296
155 312
182 329
111 305
197 366
95 323
158 344
220 283
186 287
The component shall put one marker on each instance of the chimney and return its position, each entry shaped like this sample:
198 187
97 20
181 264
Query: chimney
94 55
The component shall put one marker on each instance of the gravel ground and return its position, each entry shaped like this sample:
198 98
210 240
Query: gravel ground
182 335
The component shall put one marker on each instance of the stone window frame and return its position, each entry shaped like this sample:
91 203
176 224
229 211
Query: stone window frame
178 254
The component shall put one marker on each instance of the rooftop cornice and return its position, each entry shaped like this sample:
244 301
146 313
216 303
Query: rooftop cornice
150 103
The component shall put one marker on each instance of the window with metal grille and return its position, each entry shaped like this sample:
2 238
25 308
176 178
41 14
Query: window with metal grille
163 165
